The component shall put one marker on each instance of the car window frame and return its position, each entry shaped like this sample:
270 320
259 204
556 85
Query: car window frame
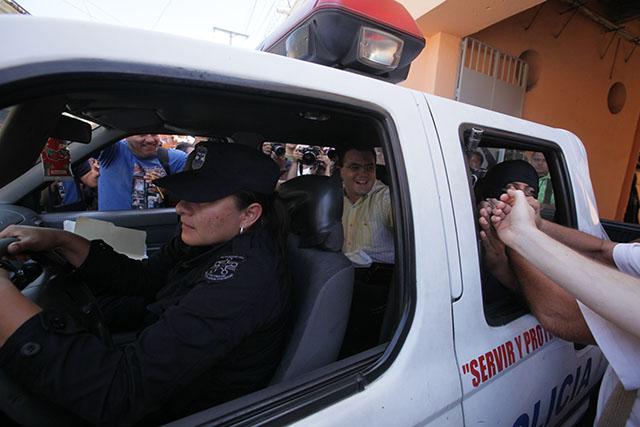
340 381
566 213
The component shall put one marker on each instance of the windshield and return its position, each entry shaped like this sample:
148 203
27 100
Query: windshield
4 113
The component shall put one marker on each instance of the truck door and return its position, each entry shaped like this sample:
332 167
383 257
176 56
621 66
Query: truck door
513 372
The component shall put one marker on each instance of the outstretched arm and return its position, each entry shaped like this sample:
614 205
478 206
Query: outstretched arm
555 308
610 293
72 247
588 245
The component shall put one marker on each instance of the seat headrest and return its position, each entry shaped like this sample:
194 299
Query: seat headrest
314 204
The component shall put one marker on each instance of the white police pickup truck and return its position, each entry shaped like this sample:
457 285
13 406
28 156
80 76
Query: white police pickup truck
449 354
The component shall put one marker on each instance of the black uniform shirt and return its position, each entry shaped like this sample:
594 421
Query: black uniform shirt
220 317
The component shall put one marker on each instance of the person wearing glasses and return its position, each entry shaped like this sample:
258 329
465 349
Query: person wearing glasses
367 221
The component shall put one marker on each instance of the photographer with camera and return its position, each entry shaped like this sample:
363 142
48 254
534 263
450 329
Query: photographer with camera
277 152
367 221
475 160
310 160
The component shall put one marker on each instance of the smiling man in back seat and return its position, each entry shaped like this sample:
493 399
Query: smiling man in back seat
367 220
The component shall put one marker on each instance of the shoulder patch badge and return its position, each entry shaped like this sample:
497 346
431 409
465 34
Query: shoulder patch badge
199 157
224 268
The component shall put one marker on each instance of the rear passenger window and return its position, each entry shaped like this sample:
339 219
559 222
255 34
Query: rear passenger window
499 162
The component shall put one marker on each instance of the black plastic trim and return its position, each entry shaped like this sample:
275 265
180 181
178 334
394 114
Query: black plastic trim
621 232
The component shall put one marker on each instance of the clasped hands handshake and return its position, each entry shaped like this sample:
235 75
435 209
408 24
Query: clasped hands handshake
505 220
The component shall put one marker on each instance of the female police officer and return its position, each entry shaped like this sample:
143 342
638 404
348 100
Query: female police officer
214 326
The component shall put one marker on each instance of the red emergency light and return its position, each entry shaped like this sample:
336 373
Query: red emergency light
378 38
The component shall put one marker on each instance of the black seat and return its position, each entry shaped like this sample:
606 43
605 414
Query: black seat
322 277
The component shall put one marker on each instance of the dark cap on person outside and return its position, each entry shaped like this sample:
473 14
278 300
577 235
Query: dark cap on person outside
81 169
497 178
218 169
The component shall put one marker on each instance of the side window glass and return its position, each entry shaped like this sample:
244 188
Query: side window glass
546 196
4 113
492 170
300 159
78 192
120 177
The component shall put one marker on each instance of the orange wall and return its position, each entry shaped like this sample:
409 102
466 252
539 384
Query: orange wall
435 69
572 91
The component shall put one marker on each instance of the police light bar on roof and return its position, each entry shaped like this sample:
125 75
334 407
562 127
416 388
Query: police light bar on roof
378 38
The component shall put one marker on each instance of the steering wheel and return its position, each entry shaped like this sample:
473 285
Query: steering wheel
47 281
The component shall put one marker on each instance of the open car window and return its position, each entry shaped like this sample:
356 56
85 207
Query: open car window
535 167
312 132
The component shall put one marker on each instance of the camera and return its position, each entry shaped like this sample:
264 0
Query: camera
278 150
310 156
331 154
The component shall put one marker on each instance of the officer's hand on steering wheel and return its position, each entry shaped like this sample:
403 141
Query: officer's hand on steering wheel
30 239
32 243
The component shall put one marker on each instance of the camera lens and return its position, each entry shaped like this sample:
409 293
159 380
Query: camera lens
331 153
278 149
309 157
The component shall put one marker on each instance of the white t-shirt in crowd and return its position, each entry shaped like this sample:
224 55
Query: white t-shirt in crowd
621 349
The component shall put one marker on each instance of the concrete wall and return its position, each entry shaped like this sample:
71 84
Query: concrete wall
573 87
435 70
571 91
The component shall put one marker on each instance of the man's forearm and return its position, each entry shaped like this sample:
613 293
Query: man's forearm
610 293
557 311
588 245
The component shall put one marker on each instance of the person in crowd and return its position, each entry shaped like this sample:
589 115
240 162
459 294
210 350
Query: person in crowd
545 192
367 217
578 266
516 174
267 148
127 169
278 156
367 220
475 159
79 194
506 266
309 160
185 147
217 295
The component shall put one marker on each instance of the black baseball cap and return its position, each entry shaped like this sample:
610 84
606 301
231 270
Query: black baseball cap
218 169
81 169
497 178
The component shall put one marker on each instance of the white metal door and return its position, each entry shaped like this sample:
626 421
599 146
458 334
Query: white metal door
491 79
516 374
